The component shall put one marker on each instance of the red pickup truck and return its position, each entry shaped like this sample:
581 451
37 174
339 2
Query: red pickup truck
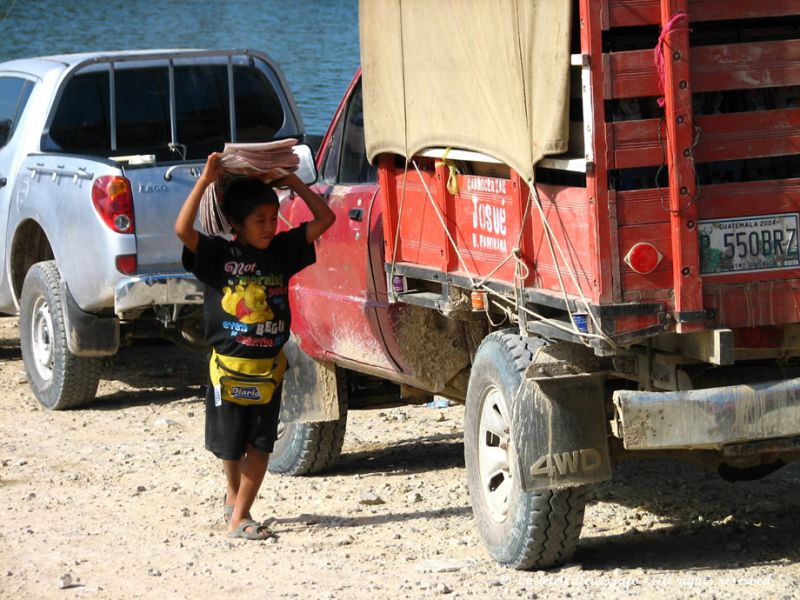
633 292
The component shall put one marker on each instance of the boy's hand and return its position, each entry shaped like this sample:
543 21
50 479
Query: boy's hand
323 215
291 180
212 169
184 223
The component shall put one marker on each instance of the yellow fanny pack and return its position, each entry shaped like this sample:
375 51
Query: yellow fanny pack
246 380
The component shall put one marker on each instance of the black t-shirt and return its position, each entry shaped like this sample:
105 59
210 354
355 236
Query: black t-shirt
246 301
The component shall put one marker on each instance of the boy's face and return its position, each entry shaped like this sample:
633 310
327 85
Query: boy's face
259 226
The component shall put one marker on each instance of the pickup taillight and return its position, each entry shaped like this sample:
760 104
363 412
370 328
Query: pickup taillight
113 201
126 264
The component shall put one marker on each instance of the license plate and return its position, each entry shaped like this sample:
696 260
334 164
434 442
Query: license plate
758 243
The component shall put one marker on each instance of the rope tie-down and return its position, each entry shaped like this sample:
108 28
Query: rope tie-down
678 22
658 52
511 307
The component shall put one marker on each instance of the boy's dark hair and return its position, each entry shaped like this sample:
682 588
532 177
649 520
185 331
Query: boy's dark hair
242 195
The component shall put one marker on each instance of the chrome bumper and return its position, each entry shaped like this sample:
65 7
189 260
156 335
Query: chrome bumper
134 294
708 418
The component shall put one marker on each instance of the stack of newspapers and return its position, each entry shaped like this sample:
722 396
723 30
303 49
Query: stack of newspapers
268 161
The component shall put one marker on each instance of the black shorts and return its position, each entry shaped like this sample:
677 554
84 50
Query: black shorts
230 426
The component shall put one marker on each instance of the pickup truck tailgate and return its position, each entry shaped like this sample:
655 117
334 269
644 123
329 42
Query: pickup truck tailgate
158 194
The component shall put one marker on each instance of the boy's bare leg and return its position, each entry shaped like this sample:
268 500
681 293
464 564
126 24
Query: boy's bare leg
252 470
233 473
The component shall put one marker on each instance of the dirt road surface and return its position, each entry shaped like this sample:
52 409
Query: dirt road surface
123 500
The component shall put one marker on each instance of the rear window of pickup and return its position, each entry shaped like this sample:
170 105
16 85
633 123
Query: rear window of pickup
82 121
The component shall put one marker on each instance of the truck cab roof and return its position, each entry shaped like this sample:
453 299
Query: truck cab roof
39 66
79 90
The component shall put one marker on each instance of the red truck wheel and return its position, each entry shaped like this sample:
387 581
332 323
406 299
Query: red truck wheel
59 379
523 530
305 448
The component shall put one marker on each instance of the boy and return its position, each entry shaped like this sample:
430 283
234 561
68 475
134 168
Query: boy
246 310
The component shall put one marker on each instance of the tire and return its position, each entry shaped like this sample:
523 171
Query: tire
522 530
59 379
309 448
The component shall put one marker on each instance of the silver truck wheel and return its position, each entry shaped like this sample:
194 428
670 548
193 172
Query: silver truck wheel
42 339
59 379
305 448
523 530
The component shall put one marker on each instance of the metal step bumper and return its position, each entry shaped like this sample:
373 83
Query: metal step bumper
708 418
135 294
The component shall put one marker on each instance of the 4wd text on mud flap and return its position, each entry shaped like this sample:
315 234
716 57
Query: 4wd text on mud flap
584 460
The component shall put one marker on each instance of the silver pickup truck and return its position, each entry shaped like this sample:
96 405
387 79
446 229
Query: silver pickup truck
97 154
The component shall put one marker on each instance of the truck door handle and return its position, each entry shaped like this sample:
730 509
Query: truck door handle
3 182
356 214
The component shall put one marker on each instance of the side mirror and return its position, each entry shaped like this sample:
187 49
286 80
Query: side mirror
307 171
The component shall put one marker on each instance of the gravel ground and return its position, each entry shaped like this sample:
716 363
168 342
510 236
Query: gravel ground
122 501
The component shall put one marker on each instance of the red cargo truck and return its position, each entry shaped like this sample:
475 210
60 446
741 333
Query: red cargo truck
578 219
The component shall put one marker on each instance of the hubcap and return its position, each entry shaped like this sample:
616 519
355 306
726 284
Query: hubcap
42 339
494 454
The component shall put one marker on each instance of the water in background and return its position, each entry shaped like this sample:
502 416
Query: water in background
314 41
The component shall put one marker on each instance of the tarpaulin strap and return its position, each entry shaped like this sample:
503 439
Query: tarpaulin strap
658 52
452 173
521 270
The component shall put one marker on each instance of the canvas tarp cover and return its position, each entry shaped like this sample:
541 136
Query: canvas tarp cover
490 76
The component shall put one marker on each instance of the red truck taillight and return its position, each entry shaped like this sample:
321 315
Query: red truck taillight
113 201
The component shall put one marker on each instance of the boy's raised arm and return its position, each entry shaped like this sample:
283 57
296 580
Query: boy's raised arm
184 223
323 215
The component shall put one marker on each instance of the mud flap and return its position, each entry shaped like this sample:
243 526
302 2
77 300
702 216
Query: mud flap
88 334
310 388
558 428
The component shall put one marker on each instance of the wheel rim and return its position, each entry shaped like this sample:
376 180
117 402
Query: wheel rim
42 338
494 464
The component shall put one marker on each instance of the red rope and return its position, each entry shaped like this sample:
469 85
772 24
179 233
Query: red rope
658 52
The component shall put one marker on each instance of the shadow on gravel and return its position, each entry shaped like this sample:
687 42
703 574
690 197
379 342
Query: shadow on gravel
9 349
337 521
151 372
9 353
710 523
416 455
9 339
129 399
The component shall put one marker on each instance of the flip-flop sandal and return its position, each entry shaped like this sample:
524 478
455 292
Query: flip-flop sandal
258 531
227 510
